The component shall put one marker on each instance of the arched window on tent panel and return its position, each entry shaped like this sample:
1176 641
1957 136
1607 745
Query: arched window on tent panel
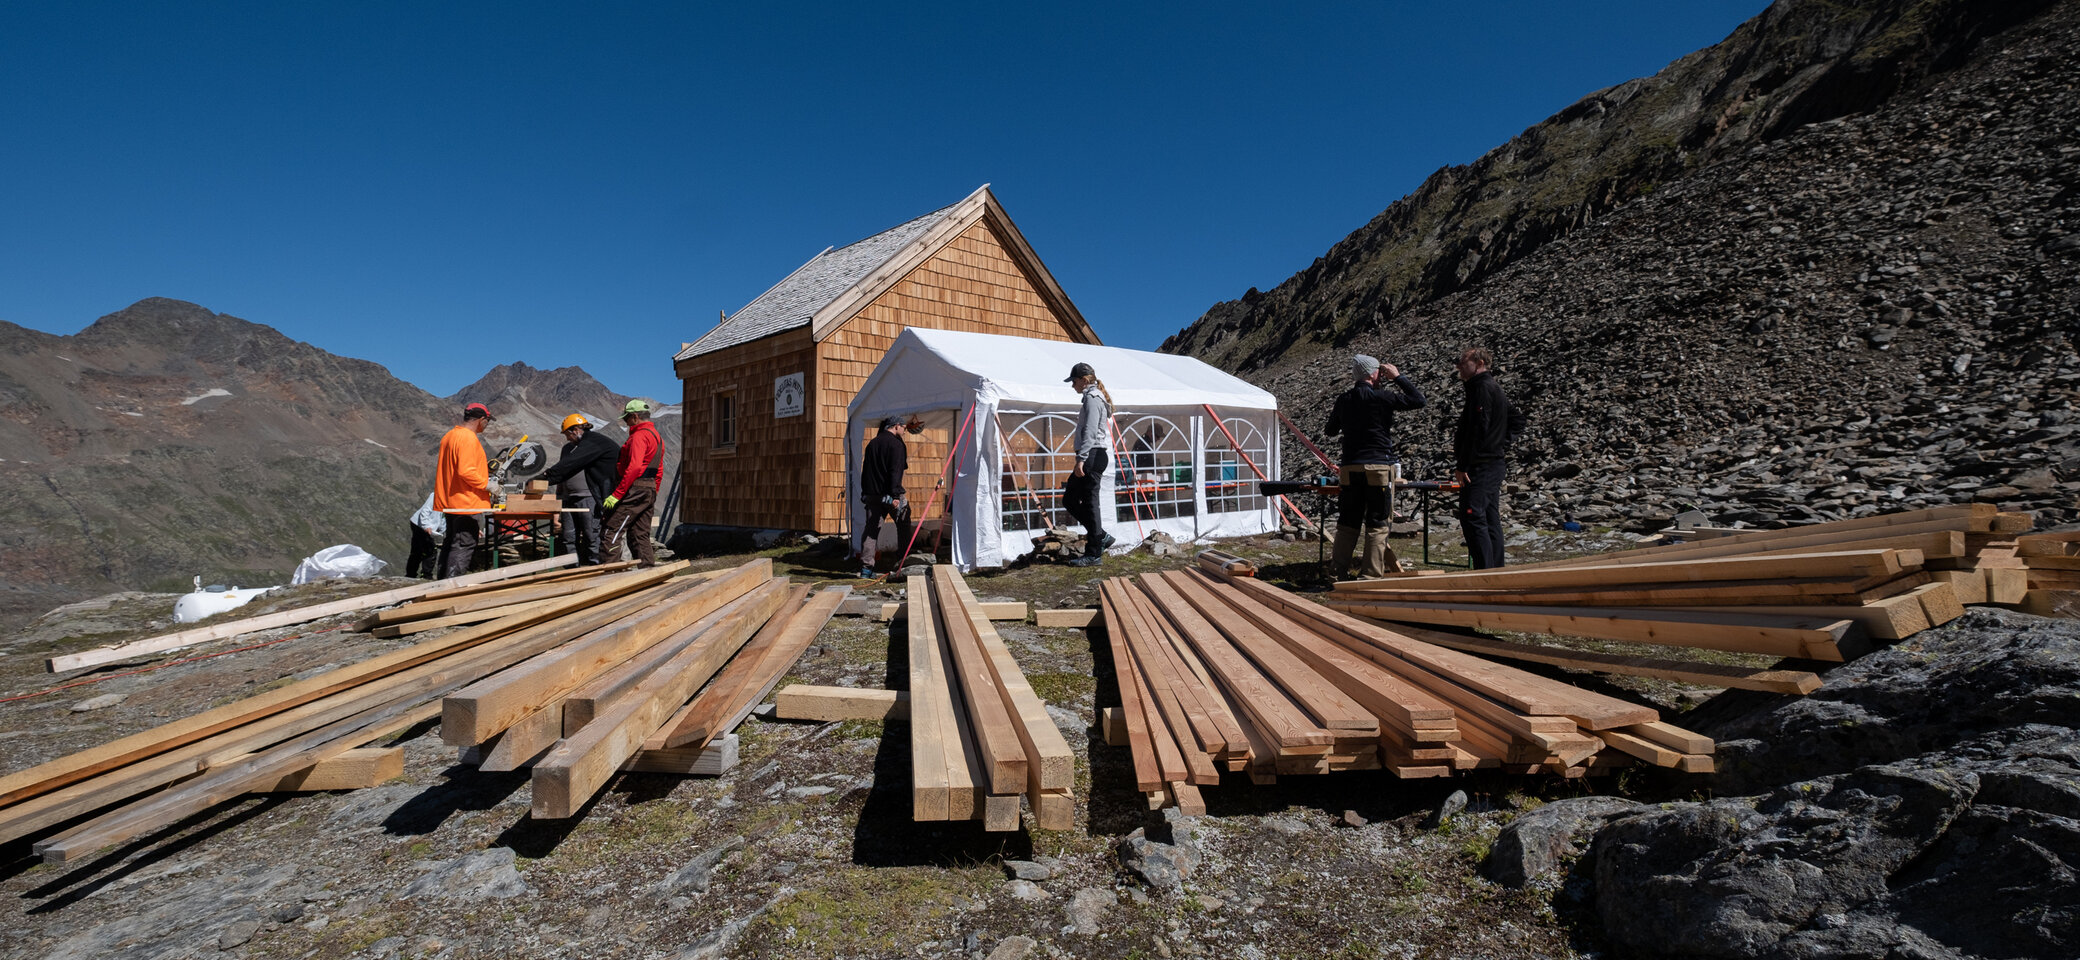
1231 486
1153 469
1039 452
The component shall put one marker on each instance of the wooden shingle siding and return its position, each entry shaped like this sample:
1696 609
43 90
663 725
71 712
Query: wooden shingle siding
766 480
970 285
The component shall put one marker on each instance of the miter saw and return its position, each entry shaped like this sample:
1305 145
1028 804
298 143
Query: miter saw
516 464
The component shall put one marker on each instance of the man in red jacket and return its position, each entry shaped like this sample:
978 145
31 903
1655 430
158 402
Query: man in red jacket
634 498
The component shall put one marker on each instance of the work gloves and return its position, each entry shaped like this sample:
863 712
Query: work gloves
610 502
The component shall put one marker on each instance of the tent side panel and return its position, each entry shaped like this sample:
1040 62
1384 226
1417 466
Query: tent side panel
765 478
970 285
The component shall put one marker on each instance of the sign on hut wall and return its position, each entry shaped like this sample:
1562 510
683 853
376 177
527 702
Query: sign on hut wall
787 396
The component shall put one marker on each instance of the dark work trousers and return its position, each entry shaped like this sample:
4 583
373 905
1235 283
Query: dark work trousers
1480 513
1080 498
581 530
422 562
875 512
629 523
1365 496
460 546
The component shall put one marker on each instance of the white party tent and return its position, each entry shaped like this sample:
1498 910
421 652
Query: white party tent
1188 441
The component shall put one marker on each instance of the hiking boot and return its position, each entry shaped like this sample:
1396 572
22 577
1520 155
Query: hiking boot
1106 544
866 573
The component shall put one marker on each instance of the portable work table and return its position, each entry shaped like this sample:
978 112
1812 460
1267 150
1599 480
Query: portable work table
1326 494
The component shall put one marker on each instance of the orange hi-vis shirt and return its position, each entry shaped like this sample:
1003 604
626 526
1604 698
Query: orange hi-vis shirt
459 481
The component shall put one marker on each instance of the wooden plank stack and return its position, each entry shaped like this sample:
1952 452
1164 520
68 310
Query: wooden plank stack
979 737
1228 673
2051 573
632 646
1817 592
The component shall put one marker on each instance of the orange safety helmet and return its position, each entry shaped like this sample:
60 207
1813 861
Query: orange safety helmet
575 420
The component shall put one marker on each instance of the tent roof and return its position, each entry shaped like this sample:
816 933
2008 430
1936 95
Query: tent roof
934 368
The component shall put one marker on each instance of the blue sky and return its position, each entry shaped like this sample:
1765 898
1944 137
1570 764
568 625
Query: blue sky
439 187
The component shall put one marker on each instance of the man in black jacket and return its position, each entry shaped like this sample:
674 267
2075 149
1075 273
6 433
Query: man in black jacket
1364 415
1488 426
881 491
581 476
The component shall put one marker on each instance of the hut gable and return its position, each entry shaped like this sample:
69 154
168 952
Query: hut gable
963 267
837 284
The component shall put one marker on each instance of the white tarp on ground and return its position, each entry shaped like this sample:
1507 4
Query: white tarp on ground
1176 422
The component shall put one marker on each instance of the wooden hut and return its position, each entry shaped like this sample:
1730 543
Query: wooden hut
766 390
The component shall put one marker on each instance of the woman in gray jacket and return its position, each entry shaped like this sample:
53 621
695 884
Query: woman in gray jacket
1080 491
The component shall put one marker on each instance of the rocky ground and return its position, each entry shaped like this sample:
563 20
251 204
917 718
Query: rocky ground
806 849
1869 313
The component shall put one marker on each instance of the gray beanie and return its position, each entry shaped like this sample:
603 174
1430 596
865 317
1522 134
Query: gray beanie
1363 367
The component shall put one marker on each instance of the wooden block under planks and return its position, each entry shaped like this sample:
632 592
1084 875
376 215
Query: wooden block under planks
809 702
1074 619
355 769
713 760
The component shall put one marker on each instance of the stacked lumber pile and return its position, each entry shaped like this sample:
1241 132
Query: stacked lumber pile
1818 592
979 737
1229 673
609 669
2050 565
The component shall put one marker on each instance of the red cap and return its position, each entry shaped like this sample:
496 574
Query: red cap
476 410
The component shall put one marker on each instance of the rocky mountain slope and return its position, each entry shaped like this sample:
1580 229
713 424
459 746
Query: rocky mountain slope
165 441
1823 268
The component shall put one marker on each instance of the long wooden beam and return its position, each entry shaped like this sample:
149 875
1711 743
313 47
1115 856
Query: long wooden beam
1133 724
930 780
1813 638
405 694
1797 682
281 618
989 715
1831 565
1429 666
477 714
1283 722
1964 518
83 764
1178 714
1330 707
755 671
576 769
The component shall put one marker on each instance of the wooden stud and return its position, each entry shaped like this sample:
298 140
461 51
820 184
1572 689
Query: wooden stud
806 702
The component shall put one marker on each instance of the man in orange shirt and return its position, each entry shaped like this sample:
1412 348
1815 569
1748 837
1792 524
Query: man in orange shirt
462 481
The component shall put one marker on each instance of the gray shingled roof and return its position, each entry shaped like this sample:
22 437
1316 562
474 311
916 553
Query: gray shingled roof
794 300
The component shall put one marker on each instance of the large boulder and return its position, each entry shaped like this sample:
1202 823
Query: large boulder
1732 878
1987 678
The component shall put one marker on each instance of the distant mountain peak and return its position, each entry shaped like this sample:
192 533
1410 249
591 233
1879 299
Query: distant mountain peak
519 382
